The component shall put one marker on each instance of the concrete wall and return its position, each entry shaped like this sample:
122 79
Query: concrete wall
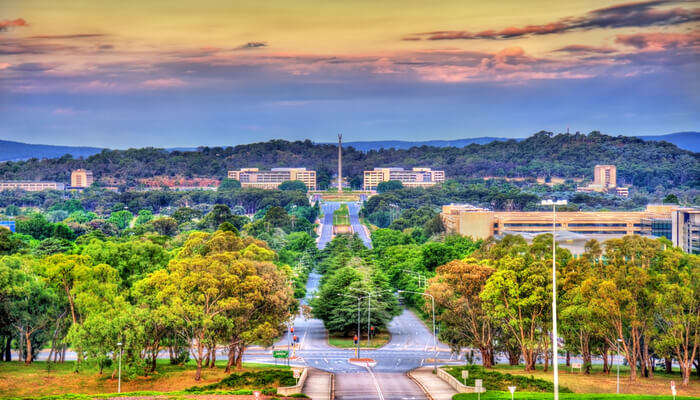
290 390
456 385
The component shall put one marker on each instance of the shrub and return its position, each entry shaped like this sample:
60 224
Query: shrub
493 380
266 379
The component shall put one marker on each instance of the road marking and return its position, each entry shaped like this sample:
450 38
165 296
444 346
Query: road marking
376 384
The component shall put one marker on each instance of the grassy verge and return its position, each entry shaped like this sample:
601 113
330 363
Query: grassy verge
494 380
341 216
494 395
36 380
599 382
378 340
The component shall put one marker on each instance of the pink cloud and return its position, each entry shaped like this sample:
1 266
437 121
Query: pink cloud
64 111
659 41
163 83
4 66
15 23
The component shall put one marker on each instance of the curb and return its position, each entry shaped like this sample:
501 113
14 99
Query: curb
420 385
332 393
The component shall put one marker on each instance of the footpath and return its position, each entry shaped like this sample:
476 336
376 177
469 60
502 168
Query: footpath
318 385
434 387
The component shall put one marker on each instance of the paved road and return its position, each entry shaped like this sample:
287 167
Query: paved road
327 224
410 347
357 227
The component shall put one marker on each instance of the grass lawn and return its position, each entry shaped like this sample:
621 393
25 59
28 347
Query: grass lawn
378 340
341 216
598 382
17 379
494 395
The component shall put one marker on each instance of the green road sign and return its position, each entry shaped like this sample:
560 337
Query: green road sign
280 353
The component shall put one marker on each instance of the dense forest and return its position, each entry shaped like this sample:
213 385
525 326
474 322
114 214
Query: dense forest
647 165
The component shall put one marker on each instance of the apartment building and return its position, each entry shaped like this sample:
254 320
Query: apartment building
415 177
253 177
81 178
655 220
31 186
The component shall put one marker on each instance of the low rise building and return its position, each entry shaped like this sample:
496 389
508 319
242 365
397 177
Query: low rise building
578 226
415 177
31 186
254 178
685 225
81 178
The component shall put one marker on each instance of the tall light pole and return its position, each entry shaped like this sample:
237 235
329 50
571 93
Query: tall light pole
369 313
119 384
408 271
357 345
432 299
555 358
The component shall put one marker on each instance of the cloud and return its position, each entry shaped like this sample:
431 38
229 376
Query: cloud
582 48
636 14
660 41
4 66
163 83
72 36
64 111
252 45
15 23
32 67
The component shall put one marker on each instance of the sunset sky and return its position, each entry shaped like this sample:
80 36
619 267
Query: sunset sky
213 72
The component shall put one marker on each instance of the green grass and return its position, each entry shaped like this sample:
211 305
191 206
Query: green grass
494 380
343 342
498 395
341 216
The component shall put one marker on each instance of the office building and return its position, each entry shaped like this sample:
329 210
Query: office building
31 186
605 181
685 226
81 178
416 177
676 224
254 178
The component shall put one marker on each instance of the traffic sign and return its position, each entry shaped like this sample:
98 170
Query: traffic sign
280 353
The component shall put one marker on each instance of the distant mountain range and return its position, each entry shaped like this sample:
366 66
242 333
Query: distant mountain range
16 151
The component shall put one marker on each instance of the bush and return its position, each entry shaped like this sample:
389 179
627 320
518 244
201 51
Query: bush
267 379
493 380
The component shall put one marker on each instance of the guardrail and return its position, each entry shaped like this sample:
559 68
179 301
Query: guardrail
457 385
290 390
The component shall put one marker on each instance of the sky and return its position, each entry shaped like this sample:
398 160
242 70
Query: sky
167 73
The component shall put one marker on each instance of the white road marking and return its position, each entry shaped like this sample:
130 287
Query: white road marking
376 384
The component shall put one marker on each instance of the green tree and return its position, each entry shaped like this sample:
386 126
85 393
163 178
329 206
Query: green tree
389 186
121 218
457 287
293 185
228 184
518 295
144 216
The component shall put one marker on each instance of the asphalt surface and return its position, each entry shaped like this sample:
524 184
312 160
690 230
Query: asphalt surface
327 224
357 227
411 346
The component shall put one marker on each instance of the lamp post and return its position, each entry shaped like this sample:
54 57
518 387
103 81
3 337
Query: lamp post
432 300
119 382
555 358
418 275
618 364
357 344
369 312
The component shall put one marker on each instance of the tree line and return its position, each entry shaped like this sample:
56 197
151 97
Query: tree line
642 164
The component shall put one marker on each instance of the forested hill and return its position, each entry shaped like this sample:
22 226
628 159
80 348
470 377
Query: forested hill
640 163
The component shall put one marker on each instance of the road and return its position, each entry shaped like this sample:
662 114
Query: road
411 346
327 223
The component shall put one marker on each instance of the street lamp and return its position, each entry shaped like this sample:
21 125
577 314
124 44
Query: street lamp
432 299
418 275
119 384
555 358
618 341
357 344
